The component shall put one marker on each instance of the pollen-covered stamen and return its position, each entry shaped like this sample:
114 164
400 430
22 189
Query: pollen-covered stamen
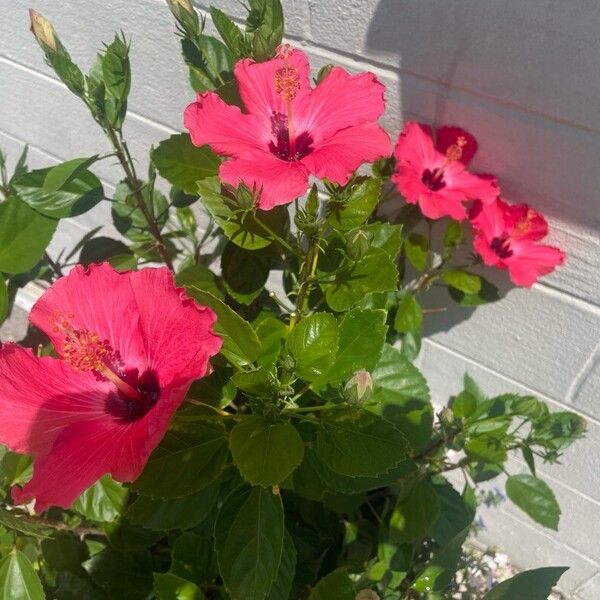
453 153
84 350
524 225
287 84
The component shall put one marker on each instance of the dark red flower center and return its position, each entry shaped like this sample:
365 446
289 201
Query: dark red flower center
128 409
501 246
284 148
434 180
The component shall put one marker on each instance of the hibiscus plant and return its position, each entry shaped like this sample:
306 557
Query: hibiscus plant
233 410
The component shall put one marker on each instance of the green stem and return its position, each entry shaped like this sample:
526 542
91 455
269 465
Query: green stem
128 167
269 231
309 269
305 409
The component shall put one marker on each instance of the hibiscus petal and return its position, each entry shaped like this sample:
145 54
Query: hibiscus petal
472 186
257 85
224 127
526 223
340 100
531 261
449 136
415 147
445 203
489 219
39 397
279 181
337 158
177 332
97 298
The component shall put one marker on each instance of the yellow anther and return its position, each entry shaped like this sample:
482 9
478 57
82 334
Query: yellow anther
455 151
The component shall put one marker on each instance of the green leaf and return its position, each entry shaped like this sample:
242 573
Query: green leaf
175 513
200 277
467 283
349 282
209 62
4 300
61 174
241 227
335 586
533 496
102 249
487 448
129 220
453 236
536 584
401 395
183 164
260 383
487 293
185 462
265 453
416 510
386 236
104 501
409 316
65 552
287 570
416 247
24 235
240 342
455 513
122 575
361 340
193 558
227 29
116 71
171 587
80 191
249 537
11 521
18 580
356 206
464 404
272 333
359 443
244 272
312 342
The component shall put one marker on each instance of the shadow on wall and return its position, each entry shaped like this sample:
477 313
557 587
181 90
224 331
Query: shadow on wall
517 76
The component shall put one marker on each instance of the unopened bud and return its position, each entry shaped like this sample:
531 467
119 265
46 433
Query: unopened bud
176 6
446 416
358 388
357 245
367 595
42 30
186 16
244 196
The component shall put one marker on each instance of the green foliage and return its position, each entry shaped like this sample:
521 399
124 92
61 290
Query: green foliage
536 584
18 580
535 497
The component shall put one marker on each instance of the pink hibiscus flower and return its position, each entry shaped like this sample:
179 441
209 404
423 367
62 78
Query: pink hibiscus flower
435 175
290 130
130 344
506 237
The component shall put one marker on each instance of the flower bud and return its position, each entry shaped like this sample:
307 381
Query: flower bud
367 595
176 6
358 388
446 416
42 30
357 244
186 16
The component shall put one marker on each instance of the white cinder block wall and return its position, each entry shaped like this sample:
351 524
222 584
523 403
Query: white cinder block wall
522 75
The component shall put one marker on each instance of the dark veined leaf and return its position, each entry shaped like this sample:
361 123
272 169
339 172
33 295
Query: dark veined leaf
249 536
171 587
102 249
65 552
183 164
312 342
193 557
416 510
265 453
455 512
337 585
241 228
18 580
533 496
185 462
287 570
24 235
359 443
536 584
67 190
244 272
240 342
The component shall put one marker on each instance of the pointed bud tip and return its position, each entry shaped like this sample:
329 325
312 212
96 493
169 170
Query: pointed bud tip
42 29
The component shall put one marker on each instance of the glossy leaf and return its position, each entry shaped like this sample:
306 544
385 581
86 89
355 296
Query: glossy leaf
536 584
80 191
183 164
486 294
265 453
416 510
337 585
533 496
104 501
409 316
467 283
249 537
18 580
171 587
287 570
359 443
356 206
312 343
244 272
228 30
24 235
11 521
102 249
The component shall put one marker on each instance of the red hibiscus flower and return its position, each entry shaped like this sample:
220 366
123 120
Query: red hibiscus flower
506 237
130 344
290 130
435 175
